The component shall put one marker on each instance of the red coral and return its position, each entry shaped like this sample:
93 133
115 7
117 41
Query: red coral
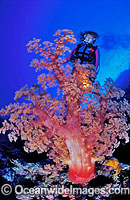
77 129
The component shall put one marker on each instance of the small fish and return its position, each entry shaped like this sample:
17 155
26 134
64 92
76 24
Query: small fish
113 163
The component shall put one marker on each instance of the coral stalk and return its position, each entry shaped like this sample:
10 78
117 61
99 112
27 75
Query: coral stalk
81 164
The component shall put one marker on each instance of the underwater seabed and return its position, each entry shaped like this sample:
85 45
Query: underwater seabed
19 167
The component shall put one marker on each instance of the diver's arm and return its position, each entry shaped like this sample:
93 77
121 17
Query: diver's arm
97 65
68 58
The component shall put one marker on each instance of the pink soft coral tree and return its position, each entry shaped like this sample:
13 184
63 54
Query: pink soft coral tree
77 128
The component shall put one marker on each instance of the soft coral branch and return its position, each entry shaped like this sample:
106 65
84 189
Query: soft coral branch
51 52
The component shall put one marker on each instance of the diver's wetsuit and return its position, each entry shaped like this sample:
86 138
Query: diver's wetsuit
85 53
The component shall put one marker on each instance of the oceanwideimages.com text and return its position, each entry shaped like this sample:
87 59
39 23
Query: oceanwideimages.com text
6 189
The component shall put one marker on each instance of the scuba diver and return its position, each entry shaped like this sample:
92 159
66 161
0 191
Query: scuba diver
86 52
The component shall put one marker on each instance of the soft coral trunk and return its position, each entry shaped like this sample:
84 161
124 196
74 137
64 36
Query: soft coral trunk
81 164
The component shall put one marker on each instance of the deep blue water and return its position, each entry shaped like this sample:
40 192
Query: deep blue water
21 20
